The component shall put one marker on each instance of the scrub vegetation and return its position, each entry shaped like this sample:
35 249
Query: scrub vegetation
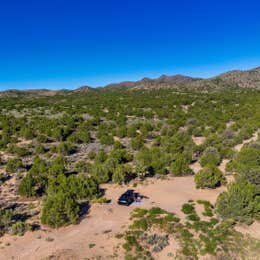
58 150
152 229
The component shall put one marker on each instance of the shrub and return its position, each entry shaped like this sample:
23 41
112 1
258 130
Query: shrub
209 177
210 157
207 208
5 218
13 165
19 228
107 139
118 145
26 186
121 132
66 148
187 208
152 161
100 157
123 173
252 176
57 166
101 173
59 209
240 202
159 242
79 137
42 138
137 142
100 200
35 181
77 187
39 149
82 166
140 224
19 151
247 164
92 155
28 133
180 166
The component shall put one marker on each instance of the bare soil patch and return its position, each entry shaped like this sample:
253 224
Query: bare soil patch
104 221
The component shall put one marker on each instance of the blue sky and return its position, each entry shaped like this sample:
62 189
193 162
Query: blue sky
65 44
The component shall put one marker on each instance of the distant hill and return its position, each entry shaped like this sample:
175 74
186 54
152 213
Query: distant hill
161 82
43 92
235 78
83 89
29 92
243 79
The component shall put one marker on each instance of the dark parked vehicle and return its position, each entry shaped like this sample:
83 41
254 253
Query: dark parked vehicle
127 198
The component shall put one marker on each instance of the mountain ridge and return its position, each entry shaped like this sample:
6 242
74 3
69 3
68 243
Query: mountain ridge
234 78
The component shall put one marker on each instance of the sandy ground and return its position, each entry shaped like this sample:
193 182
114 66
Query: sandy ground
252 230
198 140
103 222
196 167
223 165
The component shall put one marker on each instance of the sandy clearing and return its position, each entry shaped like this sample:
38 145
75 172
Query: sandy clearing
252 230
169 194
198 140
196 167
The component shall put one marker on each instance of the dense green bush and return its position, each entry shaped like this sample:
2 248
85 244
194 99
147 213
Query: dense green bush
101 173
188 208
13 165
28 133
122 174
56 167
180 166
83 167
209 177
241 202
27 186
252 176
59 209
35 181
210 157
66 148
137 142
247 164
107 139
79 137
5 219
18 151
77 187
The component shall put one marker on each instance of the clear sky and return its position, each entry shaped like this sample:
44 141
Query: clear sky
65 44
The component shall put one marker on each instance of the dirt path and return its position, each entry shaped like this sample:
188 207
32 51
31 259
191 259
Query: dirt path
196 167
254 137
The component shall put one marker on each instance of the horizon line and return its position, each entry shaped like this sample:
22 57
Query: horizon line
110 82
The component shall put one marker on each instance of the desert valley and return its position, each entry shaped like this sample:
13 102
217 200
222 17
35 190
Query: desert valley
189 148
